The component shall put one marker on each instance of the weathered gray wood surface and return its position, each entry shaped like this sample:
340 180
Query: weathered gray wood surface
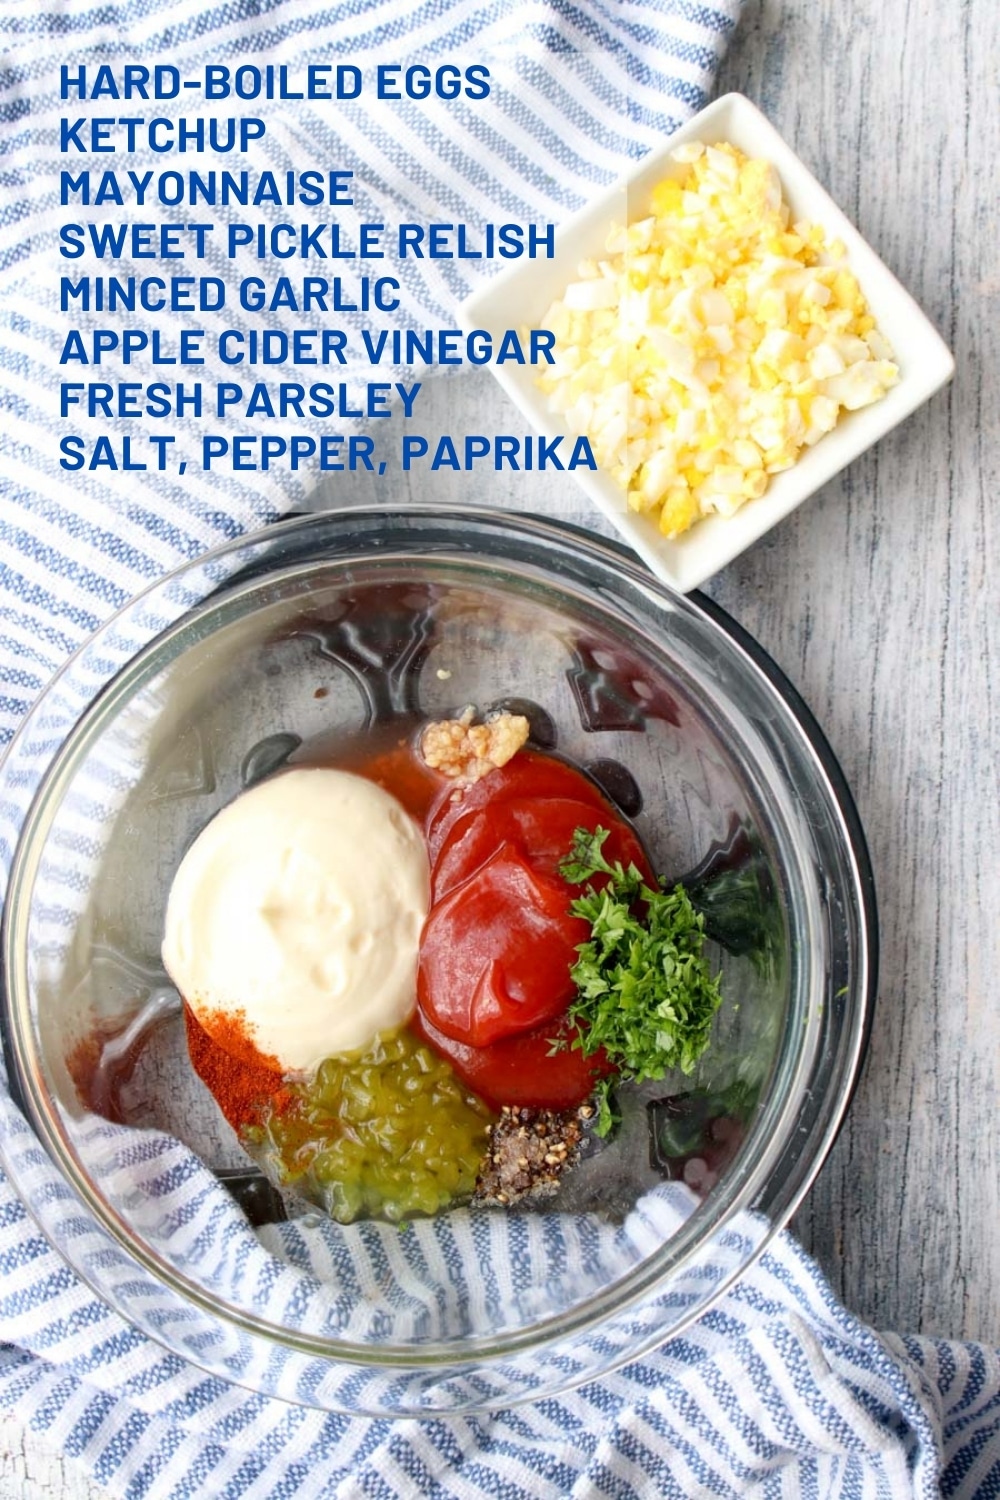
879 599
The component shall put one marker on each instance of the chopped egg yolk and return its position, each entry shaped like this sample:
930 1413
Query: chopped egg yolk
713 343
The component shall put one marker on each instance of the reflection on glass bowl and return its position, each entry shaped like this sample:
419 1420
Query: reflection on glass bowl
288 646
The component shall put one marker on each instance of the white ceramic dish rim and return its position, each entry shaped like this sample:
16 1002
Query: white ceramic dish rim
523 292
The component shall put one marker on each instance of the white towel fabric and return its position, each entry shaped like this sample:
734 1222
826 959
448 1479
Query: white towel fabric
778 1391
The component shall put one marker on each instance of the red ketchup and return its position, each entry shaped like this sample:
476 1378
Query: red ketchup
494 984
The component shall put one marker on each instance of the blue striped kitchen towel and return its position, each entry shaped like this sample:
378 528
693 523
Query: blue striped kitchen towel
779 1391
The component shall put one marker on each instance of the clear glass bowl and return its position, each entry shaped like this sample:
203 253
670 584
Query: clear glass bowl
286 645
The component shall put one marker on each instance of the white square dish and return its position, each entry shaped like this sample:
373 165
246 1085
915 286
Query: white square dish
521 296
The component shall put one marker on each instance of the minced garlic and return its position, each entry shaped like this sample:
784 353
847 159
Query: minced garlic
466 752
713 343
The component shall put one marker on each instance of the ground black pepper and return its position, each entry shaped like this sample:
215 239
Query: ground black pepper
528 1152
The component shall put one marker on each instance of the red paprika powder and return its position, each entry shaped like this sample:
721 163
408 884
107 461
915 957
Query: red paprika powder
241 1080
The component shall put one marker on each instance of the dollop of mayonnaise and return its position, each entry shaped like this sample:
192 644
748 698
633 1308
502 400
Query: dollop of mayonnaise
297 914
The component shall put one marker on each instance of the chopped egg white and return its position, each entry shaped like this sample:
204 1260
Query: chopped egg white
713 343
297 914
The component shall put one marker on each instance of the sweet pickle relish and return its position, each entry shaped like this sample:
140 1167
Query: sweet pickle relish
387 1132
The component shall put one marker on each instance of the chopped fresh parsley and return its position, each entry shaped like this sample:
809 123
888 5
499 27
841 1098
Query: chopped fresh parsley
644 990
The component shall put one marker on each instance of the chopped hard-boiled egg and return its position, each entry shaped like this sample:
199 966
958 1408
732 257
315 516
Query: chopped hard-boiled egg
714 342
